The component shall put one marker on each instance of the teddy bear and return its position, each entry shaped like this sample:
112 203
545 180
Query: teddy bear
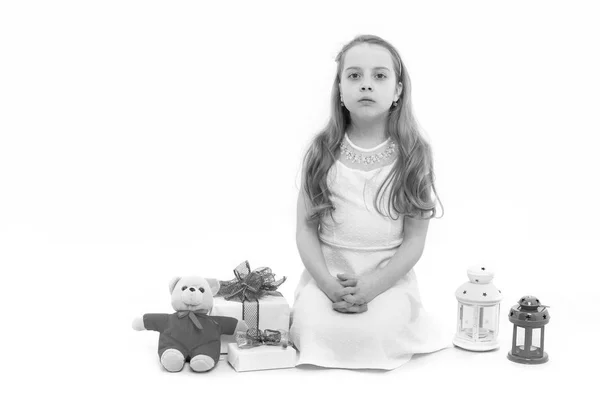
190 334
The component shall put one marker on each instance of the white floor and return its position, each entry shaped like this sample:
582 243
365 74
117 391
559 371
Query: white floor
452 372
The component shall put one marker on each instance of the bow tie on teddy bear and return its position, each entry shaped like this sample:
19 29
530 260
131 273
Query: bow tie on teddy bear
192 316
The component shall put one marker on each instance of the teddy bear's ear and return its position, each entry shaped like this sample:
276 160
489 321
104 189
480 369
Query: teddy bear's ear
173 283
214 285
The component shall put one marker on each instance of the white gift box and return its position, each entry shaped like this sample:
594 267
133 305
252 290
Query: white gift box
264 357
274 314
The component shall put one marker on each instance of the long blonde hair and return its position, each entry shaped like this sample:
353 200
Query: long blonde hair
413 191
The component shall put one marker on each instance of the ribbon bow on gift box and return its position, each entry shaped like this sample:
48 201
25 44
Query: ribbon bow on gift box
254 337
250 285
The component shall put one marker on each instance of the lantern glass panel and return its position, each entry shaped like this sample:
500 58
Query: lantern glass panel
536 339
520 342
488 320
467 318
459 318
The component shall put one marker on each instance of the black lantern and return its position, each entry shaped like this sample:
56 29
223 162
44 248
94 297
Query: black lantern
529 317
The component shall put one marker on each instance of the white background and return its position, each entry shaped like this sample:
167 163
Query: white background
140 140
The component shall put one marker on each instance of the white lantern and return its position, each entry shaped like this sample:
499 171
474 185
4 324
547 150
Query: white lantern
478 311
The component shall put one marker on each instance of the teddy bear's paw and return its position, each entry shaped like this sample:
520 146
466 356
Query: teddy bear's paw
202 363
172 360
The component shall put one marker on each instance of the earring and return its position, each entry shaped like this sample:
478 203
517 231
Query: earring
341 102
394 104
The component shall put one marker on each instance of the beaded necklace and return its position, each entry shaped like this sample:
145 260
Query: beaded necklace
367 159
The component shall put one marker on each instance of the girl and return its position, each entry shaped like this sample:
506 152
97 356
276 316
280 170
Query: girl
364 206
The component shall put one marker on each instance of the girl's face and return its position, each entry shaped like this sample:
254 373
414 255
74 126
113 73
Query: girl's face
368 72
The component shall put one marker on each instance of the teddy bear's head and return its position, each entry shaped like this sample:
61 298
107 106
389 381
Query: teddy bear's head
193 293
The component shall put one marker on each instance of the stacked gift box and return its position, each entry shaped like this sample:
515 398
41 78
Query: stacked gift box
252 296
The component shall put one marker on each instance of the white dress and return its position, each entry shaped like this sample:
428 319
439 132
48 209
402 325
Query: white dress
395 326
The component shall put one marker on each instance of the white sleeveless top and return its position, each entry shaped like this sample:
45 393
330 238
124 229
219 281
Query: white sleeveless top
359 225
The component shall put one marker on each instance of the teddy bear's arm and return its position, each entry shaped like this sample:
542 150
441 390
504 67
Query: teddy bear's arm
156 321
228 324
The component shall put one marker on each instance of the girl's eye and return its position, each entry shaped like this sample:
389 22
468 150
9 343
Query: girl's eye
202 290
383 76
184 288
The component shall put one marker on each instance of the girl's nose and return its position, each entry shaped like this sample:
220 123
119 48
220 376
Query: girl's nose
365 87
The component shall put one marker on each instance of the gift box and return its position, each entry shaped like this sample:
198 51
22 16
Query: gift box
264 357
273 313
252 296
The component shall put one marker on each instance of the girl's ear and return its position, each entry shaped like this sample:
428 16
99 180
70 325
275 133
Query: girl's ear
214 285
399 89
173 283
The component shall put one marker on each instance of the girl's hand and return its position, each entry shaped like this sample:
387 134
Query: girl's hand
350 303
347 279
336 291
364 285
347 307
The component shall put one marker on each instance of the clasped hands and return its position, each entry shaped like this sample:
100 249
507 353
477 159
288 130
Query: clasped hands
349 294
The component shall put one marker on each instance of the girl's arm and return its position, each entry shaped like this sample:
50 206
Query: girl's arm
407 255
309 247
